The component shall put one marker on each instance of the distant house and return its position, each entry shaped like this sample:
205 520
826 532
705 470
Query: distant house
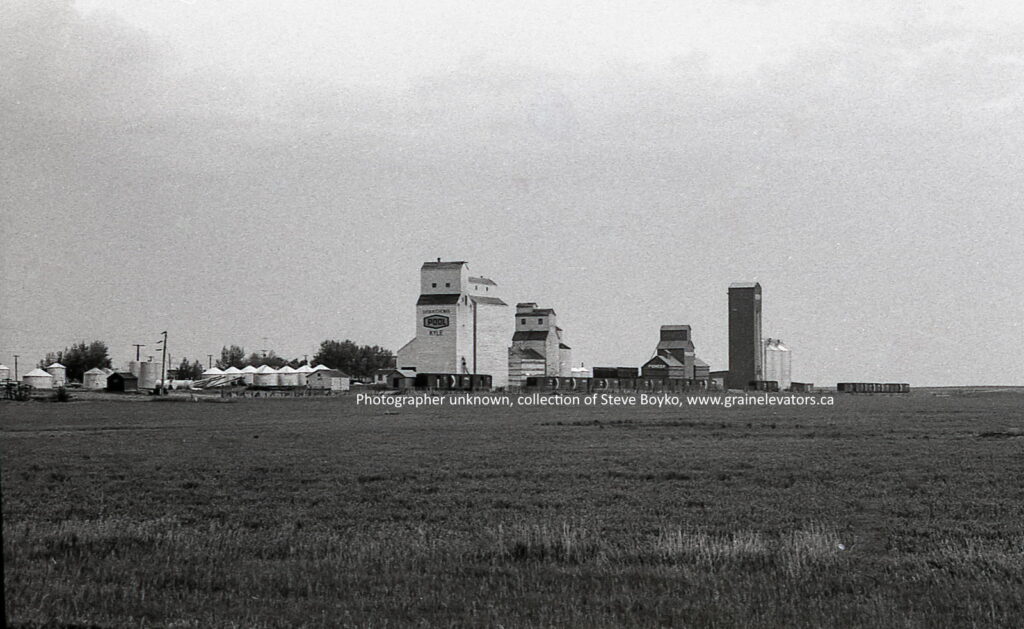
328 379
380 376
396 378
123 382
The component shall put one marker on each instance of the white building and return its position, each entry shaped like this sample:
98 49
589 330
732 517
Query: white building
38 378
212 372
265 376
233 372
287 377
462 325
537 335
329 379
59 373
249 372
778 363
94 379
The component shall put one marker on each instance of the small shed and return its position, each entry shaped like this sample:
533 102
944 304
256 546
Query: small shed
331 379
94 379
59 373
38 379
396 378
123 382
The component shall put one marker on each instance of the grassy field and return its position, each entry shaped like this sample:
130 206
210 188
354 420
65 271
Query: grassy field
878 512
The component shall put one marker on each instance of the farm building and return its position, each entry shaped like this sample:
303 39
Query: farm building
462 325
265 376
302 373
94 379
249 373
537 334
330 379
59 373
212 372
745 350
397 378
39 379
5 372
523 363
233 372
149 375
287 377
665 367
123 382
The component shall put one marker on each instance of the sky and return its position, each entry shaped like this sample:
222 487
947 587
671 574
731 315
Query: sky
273 174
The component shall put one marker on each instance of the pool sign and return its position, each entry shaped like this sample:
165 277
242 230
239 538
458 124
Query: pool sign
435 322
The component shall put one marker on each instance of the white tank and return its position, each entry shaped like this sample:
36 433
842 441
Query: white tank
777 365
5 372
250 374
287 377
149 374
233 373
94 379
133 367
303 373
59 373
38 378
266 376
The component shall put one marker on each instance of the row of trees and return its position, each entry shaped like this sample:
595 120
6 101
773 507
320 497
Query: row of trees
359 361
79 358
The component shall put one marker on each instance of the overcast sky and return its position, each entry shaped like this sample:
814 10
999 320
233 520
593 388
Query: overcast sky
272 174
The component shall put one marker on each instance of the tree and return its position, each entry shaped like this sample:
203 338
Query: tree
190 371
256 360
233 356
79 358
356 360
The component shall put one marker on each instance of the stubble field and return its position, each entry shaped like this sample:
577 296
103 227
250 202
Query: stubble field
878 512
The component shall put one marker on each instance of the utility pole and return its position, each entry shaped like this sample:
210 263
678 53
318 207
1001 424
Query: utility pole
137 347
163 366
163 361
16 366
